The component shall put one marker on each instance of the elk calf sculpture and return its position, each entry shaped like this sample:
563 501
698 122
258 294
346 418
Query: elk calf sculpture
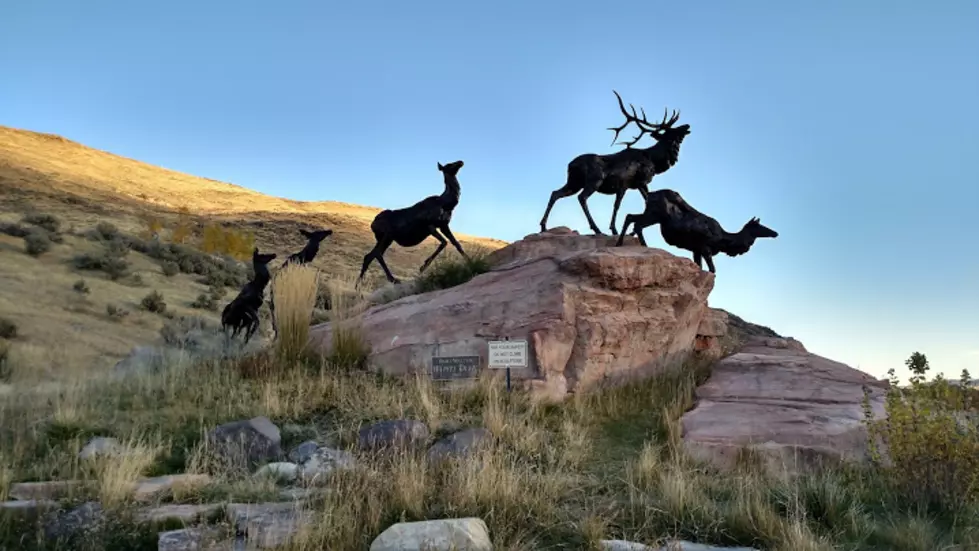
411 225
242 311
304 256
687 228
618 172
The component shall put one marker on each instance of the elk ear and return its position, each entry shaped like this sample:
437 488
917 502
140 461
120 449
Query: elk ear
440 166
305 234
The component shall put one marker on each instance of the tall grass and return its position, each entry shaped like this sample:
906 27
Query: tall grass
350 347
294 288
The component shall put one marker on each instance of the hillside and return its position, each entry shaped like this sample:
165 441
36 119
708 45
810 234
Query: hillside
64 330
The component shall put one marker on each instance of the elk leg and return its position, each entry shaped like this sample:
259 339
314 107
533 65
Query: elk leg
629 219
697 258
565 191
455 243
710 263
583 200
644 191
438 250
377 253
638 233
615 210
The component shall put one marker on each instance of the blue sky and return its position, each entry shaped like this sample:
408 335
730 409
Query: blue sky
849 127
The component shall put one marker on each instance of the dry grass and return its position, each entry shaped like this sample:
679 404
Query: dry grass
294 288
604 465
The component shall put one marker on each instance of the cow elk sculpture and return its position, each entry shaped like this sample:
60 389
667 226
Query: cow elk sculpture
409 226
618 172
687 228
242 312
304 256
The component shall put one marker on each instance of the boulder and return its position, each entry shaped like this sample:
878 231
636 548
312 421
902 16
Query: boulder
323 462
458 534
304 451
790 406
459 444
281 471
591 313
394 433
255 440
100 446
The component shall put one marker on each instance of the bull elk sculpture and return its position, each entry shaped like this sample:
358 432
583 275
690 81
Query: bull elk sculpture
618 172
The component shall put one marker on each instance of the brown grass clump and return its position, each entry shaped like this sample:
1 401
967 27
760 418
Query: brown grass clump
294 288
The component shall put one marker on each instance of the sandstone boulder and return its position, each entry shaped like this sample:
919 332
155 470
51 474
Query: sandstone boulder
591 312
791 406
469 534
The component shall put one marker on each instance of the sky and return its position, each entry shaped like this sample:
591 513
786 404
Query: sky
851 128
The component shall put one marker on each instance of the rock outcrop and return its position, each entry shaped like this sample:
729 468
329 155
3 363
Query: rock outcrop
790 406
590 311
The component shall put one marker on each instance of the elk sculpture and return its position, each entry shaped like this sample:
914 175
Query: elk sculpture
410 226
618 172
687 228
242 312
304 256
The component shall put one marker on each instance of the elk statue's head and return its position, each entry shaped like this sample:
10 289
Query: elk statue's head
663 131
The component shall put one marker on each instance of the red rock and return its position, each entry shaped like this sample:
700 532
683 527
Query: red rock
783 402
589 310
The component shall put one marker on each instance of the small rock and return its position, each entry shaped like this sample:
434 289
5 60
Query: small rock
622 545
459 444
51 490
460 534
100 445
269 525
30 508
677 545
258 439
150 487
282 471
392 433
185 513
193 539
303 451
65 524
323 462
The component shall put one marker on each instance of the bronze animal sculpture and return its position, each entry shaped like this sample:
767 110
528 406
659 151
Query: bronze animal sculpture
242 312
618 172
685 227
410 226
304 256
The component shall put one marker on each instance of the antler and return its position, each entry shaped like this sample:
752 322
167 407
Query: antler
645 127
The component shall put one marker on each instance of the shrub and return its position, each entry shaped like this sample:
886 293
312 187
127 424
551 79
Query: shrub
294 288
112 260
219 240
81 286
170 268
205 301
37 242
115 313
446 273
8 329
181 331
154 302
13 230
105 231
47 221
136 280
929 438
6 369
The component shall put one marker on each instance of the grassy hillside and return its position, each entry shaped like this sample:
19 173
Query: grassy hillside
61 329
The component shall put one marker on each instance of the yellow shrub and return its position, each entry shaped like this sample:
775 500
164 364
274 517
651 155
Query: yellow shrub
219 240
930 438
294 290
154 226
